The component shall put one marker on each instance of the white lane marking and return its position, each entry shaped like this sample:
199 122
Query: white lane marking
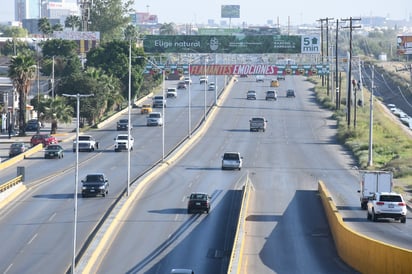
32 239
52 217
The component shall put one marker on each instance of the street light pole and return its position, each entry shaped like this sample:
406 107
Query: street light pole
370 152
76 177
129 117
204 116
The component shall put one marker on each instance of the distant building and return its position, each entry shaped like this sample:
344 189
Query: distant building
55 9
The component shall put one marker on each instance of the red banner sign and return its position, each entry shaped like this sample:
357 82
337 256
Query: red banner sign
252 69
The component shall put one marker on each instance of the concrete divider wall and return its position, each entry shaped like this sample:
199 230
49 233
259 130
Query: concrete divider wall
20 157
363 253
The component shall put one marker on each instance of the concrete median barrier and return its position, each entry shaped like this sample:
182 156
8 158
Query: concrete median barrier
363 253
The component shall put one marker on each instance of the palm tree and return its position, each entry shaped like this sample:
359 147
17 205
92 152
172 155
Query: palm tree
22 71
57 110
168 29
45 26
72 22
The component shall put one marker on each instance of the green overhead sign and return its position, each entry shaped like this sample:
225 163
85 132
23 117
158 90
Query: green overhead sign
232 44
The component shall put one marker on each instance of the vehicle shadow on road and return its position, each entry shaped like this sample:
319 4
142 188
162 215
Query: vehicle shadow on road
170 211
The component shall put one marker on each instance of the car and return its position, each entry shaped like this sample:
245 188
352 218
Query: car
123 142
386 205
203 79
182 271
44 139
181 85
123 124
258 124
54 151
32 125
146 109
251 95
212 86
243 76
188 80
281 77
290 93
232 160
171 92
86 143
271 95
154 119
95 184
17 148
260 78
198 202
159 101
274 83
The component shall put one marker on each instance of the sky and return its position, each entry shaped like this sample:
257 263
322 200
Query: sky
258 12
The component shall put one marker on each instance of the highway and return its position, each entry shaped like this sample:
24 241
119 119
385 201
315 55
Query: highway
286 228
37 228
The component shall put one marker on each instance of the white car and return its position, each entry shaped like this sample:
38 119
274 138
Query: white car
154 119
232 160
171 93
387 205
122 142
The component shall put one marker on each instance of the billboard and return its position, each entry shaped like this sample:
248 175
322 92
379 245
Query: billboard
235 44
404 44
230 11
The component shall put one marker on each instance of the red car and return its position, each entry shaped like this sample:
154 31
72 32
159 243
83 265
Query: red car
45 139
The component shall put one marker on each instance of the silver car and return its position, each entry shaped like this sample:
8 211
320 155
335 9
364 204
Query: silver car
232 160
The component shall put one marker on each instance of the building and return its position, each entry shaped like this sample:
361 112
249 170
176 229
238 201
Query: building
54 9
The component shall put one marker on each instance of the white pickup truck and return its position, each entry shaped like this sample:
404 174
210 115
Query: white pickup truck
86 143
121 142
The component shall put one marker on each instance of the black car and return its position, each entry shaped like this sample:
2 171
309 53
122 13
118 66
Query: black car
54 151
123 124
95 184
198 202
290 93
32 125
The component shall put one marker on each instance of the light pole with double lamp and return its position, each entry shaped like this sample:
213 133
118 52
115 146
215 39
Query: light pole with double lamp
76 176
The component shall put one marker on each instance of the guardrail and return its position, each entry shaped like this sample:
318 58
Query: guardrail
11 183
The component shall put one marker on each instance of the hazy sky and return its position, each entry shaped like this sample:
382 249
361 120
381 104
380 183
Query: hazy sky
259 11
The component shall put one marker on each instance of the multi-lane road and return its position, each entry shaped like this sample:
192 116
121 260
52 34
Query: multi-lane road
286 230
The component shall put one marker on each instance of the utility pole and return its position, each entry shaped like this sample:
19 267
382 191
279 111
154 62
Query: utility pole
321 46
327 53
370 156
351 27
337 66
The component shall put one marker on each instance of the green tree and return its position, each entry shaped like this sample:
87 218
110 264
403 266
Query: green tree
113 58
72 22
66 61
57 27
57 110
168 29
110 17
13 47
22 71
45 26
13 31
131 33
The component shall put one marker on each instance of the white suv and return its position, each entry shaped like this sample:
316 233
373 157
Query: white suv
154 119
386 205
121 142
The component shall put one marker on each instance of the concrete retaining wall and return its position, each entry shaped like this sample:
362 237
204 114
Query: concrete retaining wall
363 253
